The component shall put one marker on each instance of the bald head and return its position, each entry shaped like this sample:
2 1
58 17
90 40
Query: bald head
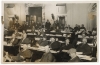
84 40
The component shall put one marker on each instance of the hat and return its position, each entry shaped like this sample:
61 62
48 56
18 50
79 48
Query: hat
72 50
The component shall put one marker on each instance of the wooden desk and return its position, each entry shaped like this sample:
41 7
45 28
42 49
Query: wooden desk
84 57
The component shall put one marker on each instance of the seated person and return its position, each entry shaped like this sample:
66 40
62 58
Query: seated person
47 56
84 47
37 25
43 25
44 42
13 41
58 29
67 45
33 42
12 28
17 25
76 28
24 38
16 33
72 54
42 32
94 46
69 28
54 45
24 54
33 29
6 57
64 50
24 27
82 27
94 32
84 35
55 24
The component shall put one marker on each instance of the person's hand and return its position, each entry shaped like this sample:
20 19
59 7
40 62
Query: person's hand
64 50
38 60
22 57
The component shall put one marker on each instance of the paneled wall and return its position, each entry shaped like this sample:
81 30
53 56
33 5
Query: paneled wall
77 13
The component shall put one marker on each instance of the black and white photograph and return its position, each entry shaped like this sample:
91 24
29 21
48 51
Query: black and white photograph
37 32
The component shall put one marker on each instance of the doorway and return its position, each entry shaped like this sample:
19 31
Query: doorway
36 12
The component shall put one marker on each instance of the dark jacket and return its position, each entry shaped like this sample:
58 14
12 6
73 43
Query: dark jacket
76 59
44 43
67 47
15 42
47 57
55 45
26 41
85 48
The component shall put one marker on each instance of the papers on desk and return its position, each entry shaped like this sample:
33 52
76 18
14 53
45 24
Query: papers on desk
91 36
52 51
78 53
85 57
37 38
53 31
64 35
36 30
90 44
20 32
4 43
61 41
52 35
47 34
79 36
69 35
63 31
19 37
31 34
58 35
78 43
8 37
64 50
28 30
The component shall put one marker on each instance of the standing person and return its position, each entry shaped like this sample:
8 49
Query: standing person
47 25
17 25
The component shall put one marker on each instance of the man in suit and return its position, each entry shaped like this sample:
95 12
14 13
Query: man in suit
82 27
17 25
84 47
44 42
24 54
47 56
16 33
24 38
54 45
37 25
76 28
72 54
67 45
47 25
64 50
14 40
24 27
56 23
